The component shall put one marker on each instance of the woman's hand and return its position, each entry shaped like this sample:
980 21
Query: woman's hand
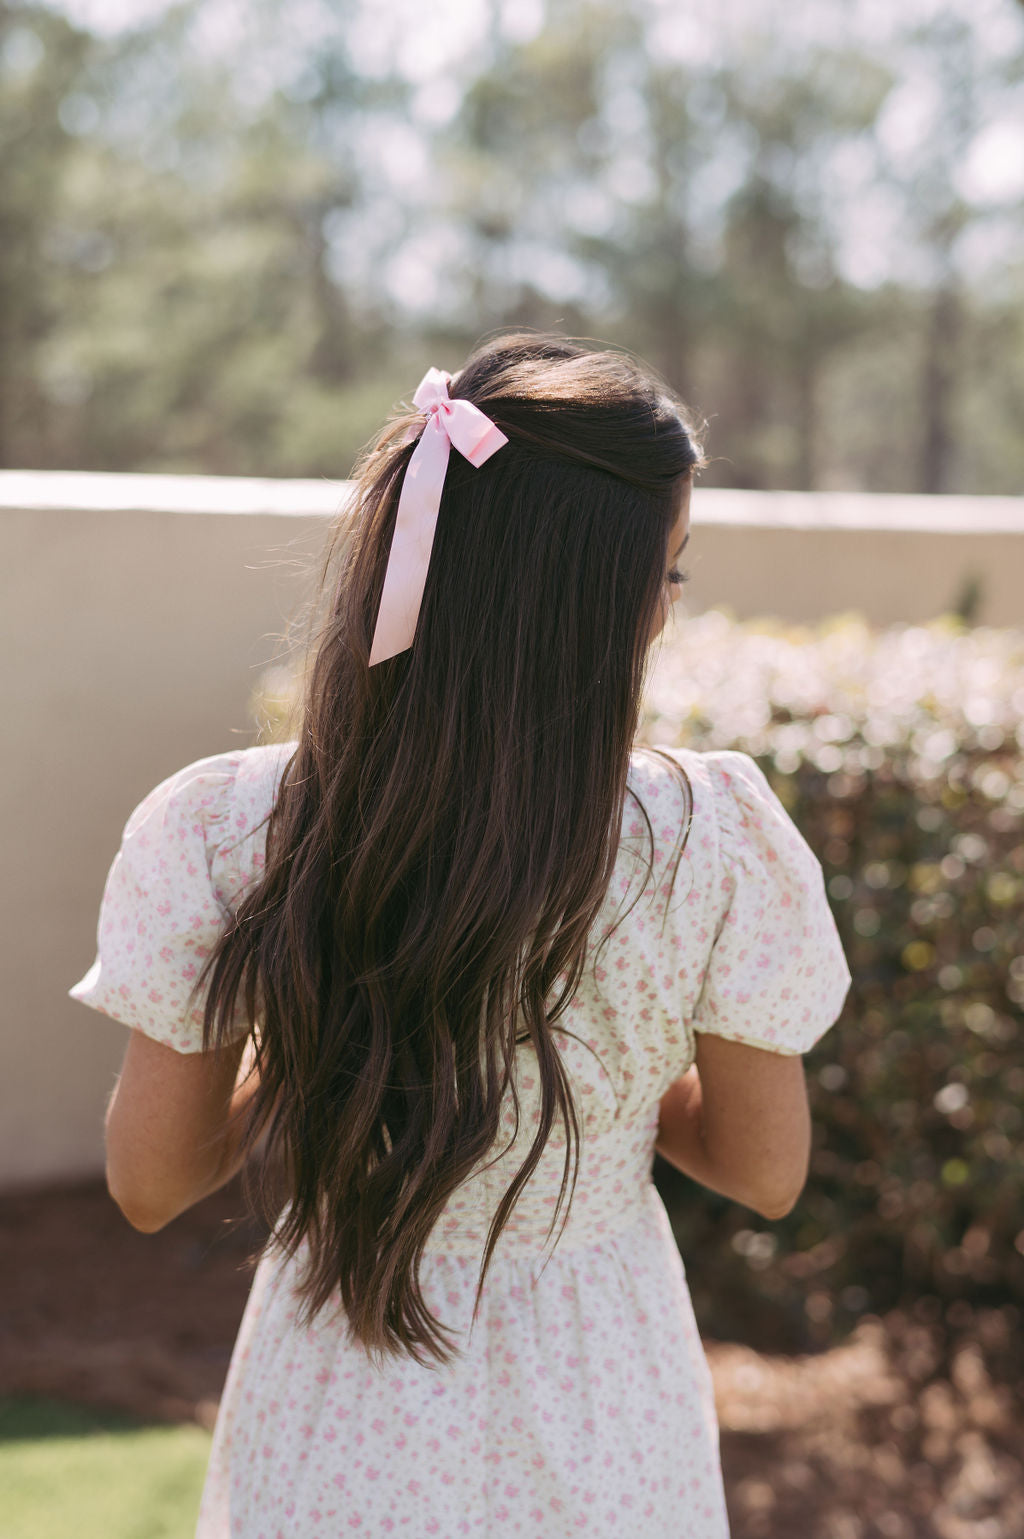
738 1122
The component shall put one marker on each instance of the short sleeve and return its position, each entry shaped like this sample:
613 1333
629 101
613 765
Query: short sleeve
777 976
165 903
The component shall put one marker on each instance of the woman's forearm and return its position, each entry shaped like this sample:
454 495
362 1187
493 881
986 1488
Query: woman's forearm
231 1157
174 1128
738 1122
680 1138
682 1141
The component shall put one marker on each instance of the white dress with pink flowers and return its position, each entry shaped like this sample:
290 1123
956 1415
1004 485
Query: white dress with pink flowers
581 1402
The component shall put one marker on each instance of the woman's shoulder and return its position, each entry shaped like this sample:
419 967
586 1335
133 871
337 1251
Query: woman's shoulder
718 802
772 971
742 827
716 777
674 777
256 775
210 816
188 852
242 767
229 788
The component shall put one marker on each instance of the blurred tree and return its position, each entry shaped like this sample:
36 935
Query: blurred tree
522 156
41 57
783 308
592 203
201 325
944 166
940 216
229 246
612 143
174 294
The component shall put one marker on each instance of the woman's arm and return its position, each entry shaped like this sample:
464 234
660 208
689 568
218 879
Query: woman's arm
738 1122
173 1127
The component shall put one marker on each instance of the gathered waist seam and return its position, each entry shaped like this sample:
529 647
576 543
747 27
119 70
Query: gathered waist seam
530 1248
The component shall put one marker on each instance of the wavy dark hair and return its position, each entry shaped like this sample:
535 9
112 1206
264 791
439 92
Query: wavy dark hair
447 827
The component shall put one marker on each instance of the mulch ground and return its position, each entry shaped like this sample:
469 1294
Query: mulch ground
903 1432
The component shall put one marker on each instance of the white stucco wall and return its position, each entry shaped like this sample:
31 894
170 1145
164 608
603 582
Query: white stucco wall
138 614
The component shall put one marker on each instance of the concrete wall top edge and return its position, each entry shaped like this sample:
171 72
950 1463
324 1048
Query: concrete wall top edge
73 491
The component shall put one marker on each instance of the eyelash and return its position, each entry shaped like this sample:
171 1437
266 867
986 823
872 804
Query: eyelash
675 576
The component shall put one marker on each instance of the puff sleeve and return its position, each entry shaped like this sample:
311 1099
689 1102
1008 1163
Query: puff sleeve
166 899
777 975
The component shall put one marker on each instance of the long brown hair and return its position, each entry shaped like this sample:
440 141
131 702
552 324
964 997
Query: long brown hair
447 827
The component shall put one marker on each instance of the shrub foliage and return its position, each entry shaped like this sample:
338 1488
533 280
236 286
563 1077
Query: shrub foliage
900 756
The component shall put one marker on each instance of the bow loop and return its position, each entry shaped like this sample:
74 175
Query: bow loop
476 437
432 390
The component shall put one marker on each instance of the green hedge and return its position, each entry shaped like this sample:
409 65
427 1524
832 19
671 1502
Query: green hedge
899 753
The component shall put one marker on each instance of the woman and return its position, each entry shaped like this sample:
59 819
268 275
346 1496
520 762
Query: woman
455 962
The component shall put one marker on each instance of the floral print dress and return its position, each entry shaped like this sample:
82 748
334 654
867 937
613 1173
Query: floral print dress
580 1402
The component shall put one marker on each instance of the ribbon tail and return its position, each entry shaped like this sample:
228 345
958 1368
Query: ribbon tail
411 544
474 435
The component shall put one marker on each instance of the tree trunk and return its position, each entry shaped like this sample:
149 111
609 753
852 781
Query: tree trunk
805 469
331 359
942 347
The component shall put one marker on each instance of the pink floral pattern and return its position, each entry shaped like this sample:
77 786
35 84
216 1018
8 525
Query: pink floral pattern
581 1403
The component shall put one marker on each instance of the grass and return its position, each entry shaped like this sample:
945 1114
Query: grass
71 1472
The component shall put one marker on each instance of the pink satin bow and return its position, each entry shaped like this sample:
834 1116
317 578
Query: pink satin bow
476 437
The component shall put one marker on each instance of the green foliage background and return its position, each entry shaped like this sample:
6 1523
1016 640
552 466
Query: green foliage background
900 756
231 250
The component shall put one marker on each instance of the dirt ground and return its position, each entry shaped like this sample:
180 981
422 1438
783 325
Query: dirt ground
897 1434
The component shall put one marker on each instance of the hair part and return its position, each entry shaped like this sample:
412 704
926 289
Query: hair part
447 827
